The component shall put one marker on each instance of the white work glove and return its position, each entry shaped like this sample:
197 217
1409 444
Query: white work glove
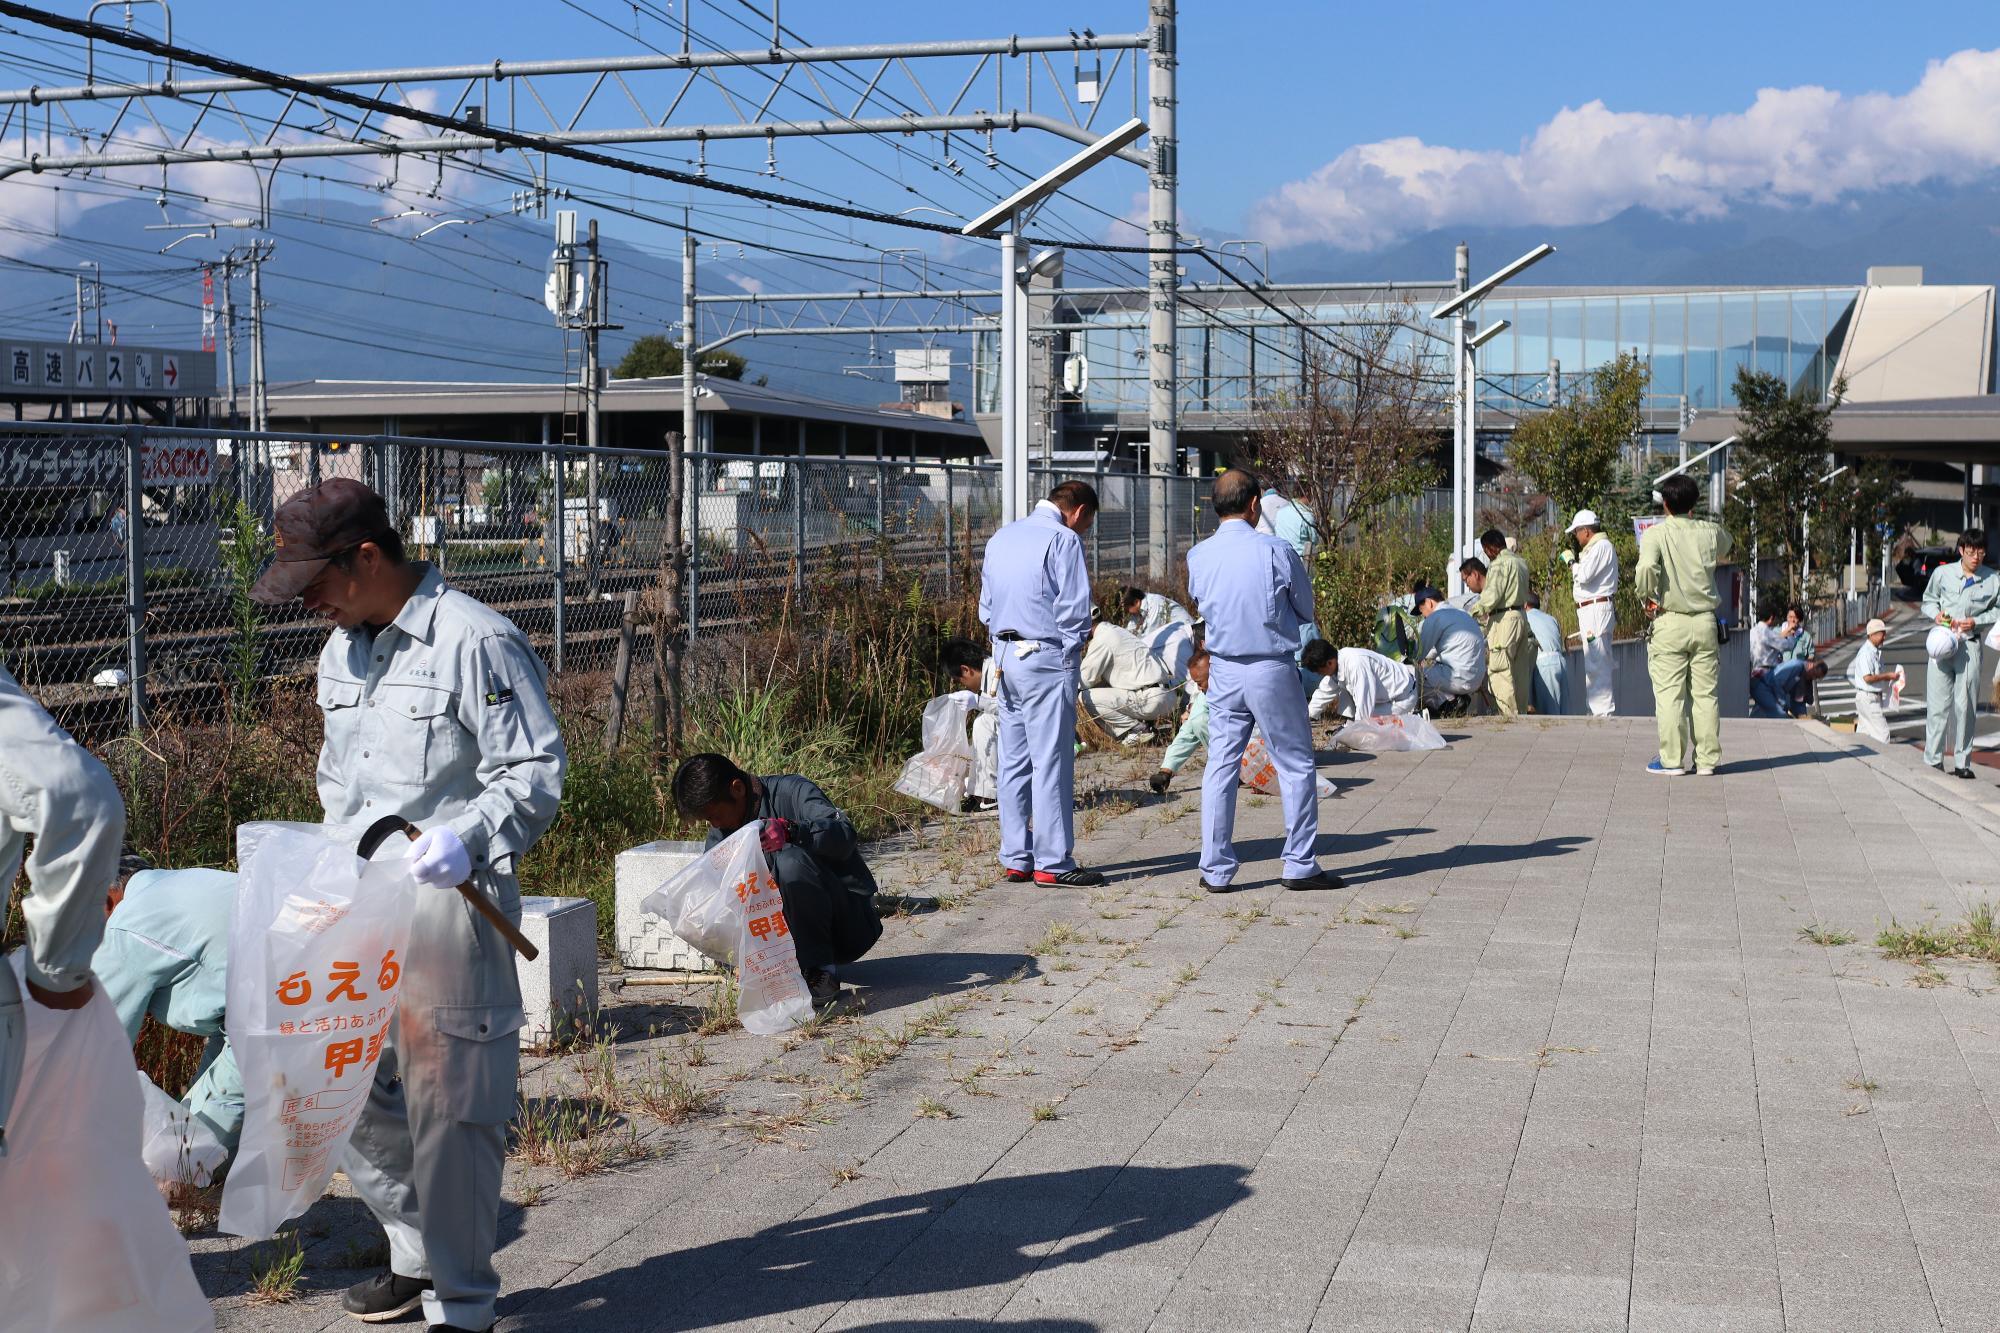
965 698
439 859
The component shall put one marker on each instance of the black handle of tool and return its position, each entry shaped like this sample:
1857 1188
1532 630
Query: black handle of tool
379 831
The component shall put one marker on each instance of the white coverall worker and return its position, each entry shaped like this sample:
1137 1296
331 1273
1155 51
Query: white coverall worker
1126 687
984 780
442 717
1375 686
1157 609
1594 584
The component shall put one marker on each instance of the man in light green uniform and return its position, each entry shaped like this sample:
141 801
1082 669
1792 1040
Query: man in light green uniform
1966 597
1676 581
1510 643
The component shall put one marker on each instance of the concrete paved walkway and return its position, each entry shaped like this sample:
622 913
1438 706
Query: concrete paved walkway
1559 1058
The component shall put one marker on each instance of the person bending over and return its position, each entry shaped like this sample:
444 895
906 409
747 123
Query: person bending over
973 676
1374 685
813 853
1194 728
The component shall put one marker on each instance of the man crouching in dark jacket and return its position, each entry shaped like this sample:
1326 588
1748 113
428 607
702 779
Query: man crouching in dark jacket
810 846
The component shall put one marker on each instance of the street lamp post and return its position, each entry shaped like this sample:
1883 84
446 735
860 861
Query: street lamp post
1465 387
1015 278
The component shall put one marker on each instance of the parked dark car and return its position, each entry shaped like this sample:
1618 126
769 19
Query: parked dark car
1915 572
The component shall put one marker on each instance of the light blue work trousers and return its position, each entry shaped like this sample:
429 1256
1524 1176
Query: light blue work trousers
1951 704
1262 692
1549 684
1037 757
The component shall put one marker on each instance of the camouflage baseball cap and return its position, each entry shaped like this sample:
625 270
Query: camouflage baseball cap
314 526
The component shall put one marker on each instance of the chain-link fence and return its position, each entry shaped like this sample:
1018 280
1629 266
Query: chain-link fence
127 551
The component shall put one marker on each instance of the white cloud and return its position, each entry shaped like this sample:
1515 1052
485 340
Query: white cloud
1798 145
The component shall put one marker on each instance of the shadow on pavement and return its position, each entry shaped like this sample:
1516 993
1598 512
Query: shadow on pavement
1457 858
1260 849
996 1231
891 982
1815 756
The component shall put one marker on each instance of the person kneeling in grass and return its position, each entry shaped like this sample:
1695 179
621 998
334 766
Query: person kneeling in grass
812 850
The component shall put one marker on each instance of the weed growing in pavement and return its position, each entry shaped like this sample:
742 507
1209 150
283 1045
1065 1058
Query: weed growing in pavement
843 1175
373 1253
527 1196
1861 1083
1825 936
1043 1111
1977 936
932 1109
578 1136
718 1011
275 1270
664 1090
1058 936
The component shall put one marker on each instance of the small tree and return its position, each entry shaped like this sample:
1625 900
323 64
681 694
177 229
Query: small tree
1781 457
654 357
245 552
1355 435
1571 451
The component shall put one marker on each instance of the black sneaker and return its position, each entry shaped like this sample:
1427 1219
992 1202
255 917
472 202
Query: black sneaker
384 1297
825 987
1071 879
1217 888
1962 773
977 805
1315 882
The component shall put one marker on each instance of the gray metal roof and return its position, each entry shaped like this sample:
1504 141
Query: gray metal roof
444 398
1941 430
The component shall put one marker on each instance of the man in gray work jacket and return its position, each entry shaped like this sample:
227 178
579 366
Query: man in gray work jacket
813 852
435 711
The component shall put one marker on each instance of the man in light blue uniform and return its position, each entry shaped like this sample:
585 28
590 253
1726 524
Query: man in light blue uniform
1966 597
166 953
436 712
1034 597
1252 590
1549 659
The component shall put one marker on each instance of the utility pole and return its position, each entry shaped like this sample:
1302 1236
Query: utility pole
667 643
229 336
1162 279
91 299
593 278
1461 507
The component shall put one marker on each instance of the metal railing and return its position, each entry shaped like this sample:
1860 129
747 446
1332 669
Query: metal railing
122 584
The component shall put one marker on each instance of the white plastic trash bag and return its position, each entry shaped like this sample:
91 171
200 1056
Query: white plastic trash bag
936 775
179 1149
1941 642
726 904
316 949
1412 731
85 1238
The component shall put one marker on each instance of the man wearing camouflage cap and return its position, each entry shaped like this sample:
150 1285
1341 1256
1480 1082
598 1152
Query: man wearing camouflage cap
436 712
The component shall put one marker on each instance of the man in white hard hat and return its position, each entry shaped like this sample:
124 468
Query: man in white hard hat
1594 578
1869 681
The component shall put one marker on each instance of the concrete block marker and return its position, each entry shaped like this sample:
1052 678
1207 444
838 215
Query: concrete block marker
558 988
643 939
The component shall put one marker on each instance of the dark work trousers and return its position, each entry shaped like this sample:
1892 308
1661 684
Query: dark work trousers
829 923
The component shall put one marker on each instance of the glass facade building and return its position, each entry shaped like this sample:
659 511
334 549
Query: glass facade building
1239 356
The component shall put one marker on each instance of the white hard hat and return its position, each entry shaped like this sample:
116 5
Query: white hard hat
1941 642
1585 518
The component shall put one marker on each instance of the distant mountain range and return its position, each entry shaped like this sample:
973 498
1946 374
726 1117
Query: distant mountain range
349 301
1953 232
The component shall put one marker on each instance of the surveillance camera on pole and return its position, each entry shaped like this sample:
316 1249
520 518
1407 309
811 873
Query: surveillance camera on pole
1015 279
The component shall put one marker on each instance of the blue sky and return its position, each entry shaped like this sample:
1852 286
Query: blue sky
1353 124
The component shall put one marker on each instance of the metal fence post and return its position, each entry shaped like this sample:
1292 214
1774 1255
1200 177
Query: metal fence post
691 488
799 522
1132 537
135 572
1097 529
950 512
881 510
561 522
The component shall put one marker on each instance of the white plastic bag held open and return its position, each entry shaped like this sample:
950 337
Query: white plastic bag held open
1412 731
315 960
936 775
726 904
85 1238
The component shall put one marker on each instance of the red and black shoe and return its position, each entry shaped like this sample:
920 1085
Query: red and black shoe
1009 875
1071 879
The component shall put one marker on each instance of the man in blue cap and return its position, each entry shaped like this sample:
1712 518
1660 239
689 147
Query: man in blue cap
1034 597
1253 591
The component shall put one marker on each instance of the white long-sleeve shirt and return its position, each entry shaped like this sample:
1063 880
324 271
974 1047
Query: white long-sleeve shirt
1595 573
1155 610
1766 646
1374 685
